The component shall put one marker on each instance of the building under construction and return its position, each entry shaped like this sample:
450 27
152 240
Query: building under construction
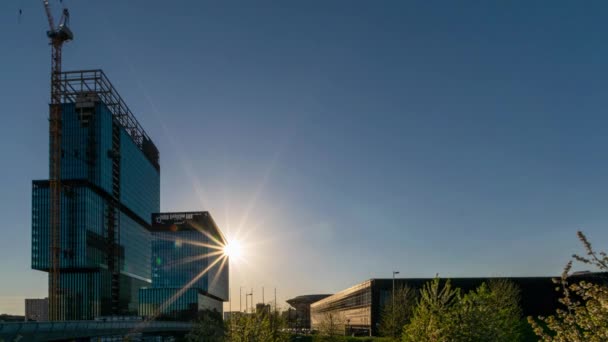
109 177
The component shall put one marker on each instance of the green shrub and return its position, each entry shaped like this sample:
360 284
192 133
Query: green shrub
490 313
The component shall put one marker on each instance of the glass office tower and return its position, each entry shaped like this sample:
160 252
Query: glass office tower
189 270
110 181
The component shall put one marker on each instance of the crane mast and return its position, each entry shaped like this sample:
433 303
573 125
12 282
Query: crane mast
57 36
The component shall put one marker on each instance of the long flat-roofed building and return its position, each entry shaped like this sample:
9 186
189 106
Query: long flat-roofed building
359 307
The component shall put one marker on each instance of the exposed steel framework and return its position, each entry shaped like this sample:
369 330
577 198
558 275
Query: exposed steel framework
79 82
57 36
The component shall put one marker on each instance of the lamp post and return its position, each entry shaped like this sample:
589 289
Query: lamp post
247 295
393 306
348 326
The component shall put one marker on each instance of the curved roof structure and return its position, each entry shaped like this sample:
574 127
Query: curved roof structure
307 299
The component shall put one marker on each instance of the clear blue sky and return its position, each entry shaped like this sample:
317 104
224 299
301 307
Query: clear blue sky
350 138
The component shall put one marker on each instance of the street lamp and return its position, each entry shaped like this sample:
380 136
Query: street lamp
247 295
394 272
393 306
348 326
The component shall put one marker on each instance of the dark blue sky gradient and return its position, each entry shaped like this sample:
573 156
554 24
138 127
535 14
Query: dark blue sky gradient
350 138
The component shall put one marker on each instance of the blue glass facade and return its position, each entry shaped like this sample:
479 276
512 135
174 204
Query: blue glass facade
83 224
175 303
175 263
85 144
136 256
89 188
139 179
183 257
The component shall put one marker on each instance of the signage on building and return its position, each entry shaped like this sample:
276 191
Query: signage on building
177 221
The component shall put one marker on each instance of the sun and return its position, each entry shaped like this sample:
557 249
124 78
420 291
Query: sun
233 249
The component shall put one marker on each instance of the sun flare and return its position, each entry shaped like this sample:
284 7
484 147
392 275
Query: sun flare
233 249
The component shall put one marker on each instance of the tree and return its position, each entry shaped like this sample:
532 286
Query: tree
508 313
489 313
262 326
432 313
585 317
241 327
395 316
332 324
209 328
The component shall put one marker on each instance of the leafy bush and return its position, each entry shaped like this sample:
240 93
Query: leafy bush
490 313
433 313
261 326
209 327
585 317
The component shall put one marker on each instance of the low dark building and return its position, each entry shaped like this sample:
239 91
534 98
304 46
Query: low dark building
11 318
300 319
261 308
360 306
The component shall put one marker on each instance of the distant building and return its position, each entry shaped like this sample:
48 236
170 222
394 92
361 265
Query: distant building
110 186
11 318
300 319
359 307
37 310
262 308
189 272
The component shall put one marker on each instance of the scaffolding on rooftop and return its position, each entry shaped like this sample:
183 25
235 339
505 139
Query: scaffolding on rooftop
79 82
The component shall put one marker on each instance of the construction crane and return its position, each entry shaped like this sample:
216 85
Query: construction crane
57 36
